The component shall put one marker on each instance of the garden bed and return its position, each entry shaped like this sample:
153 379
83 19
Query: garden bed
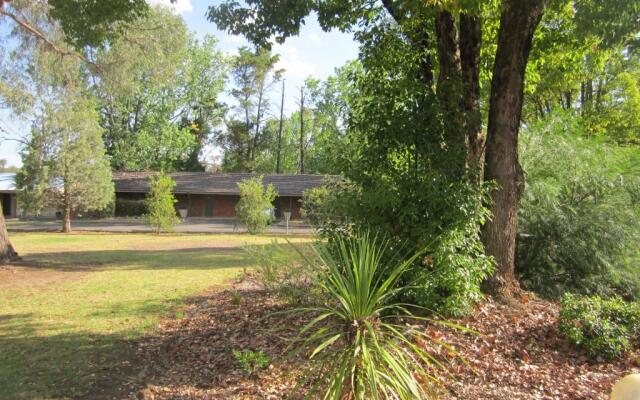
518 354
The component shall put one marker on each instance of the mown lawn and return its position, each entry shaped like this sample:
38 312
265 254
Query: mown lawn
70 311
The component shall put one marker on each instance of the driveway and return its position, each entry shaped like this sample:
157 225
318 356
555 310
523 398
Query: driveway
190 225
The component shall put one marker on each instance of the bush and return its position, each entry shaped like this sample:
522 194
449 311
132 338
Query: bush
255 207
446 222
605 328
578 220
250 361
280 270
161 213
362 337
130 208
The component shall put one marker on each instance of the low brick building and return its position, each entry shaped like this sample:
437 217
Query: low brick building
208 195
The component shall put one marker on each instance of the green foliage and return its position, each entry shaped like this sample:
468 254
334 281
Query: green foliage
160 203
605 328
578 220
363 340
280 270
130 208
251 361
159 91
254 73
90 22
64 162
255 207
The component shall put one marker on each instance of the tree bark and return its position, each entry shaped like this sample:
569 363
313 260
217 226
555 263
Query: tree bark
450 90
470 42
302 130
279 152
7 252
66 219
518 23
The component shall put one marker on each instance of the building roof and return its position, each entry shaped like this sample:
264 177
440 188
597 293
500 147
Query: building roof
7 182
216 183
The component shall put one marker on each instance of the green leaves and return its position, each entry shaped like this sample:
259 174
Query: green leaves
361 339
161 212
255 207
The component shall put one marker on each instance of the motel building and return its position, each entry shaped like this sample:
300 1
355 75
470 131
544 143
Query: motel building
212 195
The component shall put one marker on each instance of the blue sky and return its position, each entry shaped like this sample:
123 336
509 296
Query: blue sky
313 53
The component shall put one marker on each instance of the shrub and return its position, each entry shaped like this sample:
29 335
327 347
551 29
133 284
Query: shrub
605 328
255 207
446 224
578 221
130 208
363 339
280 270
251 361
161 213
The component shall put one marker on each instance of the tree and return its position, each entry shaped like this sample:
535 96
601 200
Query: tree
16 16
73 174
255 207
159 91
160 203
454 33
254 74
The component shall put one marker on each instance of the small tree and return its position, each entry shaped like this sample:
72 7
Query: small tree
161 213
255 208
64 162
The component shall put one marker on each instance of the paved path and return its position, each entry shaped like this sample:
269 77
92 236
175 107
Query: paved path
191 225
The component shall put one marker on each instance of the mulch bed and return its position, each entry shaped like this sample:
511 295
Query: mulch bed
518 354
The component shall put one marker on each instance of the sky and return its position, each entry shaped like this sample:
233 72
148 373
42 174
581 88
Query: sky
313 53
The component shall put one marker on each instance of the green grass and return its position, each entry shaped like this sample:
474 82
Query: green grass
69 313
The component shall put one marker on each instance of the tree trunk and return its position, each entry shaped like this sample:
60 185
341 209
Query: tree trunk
450 90
66 219
470 41
7 252
279 152
518 23
302 130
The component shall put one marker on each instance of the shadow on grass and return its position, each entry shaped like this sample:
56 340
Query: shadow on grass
57 366
191 258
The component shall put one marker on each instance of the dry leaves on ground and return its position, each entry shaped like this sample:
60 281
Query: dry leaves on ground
517 354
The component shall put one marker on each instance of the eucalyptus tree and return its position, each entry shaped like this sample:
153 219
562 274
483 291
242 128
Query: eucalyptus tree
159 91
254 74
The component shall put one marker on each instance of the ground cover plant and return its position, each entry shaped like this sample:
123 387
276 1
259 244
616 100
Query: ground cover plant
71 310
604 328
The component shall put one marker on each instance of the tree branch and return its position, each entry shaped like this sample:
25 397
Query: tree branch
40 36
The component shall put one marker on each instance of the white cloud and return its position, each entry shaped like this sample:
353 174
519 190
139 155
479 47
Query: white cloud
291 61
178 7
315 38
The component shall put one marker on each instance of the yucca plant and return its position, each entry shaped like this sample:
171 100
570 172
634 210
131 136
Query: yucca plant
362 339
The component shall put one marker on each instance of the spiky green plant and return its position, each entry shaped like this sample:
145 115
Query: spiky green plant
362 338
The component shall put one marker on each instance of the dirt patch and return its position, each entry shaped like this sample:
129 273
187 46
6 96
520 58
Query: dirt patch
517 355
24 274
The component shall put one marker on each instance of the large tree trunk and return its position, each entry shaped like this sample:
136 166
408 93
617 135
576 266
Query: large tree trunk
518 23
7 252
470 42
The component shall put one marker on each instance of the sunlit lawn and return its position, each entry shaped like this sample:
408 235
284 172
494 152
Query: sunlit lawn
68 312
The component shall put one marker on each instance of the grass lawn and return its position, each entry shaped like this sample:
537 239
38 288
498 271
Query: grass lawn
71 309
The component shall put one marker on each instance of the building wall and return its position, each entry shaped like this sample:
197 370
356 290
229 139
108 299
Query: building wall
224 206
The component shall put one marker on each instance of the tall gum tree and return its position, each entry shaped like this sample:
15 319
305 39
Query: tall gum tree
457 42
